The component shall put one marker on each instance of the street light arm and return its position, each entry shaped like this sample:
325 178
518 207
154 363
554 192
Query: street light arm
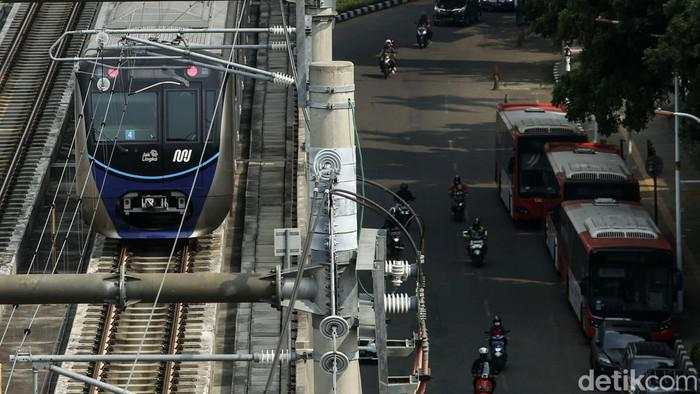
669 114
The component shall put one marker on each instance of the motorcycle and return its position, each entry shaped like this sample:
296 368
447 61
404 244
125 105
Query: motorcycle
497 344
476 247
388 66
395 245
422 36
458 205
483 382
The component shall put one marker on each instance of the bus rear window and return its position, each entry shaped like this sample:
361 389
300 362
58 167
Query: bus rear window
129 118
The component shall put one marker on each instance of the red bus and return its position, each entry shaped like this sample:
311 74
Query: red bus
525 183
615 264
586 171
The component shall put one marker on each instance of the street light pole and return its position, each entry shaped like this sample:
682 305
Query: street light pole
679 236
677 197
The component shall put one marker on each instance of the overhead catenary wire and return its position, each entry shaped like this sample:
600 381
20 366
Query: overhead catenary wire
63 245
224 83
292 299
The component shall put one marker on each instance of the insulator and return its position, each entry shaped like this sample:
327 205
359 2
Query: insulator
340 360
279 30
331 323
267 356
398 303
282 79
277 45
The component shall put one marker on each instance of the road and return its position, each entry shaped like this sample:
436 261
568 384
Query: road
435 119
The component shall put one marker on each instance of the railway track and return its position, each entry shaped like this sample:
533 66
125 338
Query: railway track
174 328
32 99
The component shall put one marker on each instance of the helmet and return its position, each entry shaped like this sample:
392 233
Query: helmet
477 222
403 186
457 180
387 41
483 351
497 321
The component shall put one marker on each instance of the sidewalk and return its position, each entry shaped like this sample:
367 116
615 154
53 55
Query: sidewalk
660 133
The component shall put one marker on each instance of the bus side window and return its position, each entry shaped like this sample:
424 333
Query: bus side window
511 166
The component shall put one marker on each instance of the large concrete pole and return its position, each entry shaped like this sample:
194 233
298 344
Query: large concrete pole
322 20
332 156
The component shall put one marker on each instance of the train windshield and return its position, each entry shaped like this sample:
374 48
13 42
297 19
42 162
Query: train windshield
182 113
139 123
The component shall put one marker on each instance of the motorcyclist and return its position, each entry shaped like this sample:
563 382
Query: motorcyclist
477 231
478 367
458 185
389 48
425 21
478 364
401 215
497 328
404 193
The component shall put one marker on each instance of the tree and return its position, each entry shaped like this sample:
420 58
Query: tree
624 69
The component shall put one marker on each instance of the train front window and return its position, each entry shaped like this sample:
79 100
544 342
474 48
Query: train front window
632 284
129 118
211 115
182 112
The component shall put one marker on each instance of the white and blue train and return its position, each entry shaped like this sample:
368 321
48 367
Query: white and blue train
141 163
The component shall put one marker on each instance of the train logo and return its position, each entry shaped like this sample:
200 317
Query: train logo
150 156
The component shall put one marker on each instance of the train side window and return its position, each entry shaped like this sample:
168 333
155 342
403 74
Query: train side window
181 114
211 98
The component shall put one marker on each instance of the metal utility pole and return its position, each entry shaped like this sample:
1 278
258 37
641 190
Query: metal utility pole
334 243
114 288
677 166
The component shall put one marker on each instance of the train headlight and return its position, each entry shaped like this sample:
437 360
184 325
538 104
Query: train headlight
192 71
103 84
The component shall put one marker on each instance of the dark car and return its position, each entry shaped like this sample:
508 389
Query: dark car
650 358
609 344
497 5
461 12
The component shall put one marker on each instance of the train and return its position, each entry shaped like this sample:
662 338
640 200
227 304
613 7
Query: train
142 121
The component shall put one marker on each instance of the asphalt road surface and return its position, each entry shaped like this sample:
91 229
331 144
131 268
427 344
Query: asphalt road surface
434 119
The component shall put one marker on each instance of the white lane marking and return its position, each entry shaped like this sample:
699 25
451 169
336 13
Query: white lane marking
451 144
454 168
486 308
526 233
504 382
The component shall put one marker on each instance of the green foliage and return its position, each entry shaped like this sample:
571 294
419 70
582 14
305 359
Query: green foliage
627 67
347 5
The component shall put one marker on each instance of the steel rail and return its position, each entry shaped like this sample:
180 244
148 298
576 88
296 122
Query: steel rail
110 325
177 325
38 106
17 43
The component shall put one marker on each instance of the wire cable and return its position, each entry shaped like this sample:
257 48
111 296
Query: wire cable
292 299
27 331
224 83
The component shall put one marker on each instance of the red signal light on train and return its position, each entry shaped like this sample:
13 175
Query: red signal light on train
113 73
192 71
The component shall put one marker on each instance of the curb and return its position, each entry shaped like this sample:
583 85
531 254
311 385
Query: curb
343 16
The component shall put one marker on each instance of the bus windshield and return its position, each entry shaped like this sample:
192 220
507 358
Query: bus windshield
628 191
635 284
